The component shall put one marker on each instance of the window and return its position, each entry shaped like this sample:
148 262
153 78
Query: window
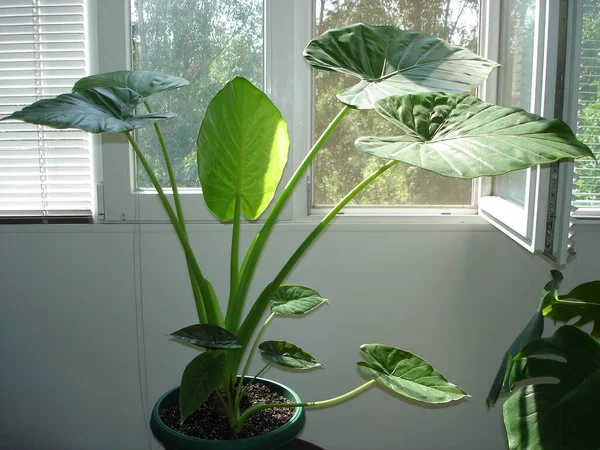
263 40
337 169
43 172
586 104
207 45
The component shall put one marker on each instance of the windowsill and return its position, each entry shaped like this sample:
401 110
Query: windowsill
340 224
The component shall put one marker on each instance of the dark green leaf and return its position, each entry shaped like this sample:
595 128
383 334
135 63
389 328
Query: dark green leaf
461 136
208 336
295 300
287 355
95 110
390 61
201 378
141 82
242 149
533 330
587 308
407 374
561 415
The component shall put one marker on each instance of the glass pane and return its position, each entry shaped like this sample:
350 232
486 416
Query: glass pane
340 167
206 42
516 80
587 182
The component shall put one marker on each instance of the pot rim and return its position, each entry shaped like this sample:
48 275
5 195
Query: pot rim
298 416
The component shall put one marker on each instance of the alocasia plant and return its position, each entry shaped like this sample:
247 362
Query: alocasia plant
242 149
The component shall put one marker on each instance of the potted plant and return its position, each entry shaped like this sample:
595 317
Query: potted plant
414 81
556 380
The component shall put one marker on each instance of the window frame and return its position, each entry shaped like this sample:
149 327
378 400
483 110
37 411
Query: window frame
526 224
119 203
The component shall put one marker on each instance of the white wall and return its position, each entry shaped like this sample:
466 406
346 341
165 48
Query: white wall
69 353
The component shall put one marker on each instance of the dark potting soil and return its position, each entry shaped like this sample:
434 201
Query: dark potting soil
209 423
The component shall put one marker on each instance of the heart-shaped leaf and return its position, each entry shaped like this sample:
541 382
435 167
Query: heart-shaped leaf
296 300
561 415
583 302
533 330
94 110
390 61
200 379
463 137
142 82
407 374
287 355
208 336
243 146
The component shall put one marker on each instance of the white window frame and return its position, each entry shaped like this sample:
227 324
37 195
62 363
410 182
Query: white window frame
285 72
527 224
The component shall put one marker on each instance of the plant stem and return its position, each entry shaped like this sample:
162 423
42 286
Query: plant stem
212 308
548 308
256 408
238 395
231 418
257 246
260 372
262 301
201 310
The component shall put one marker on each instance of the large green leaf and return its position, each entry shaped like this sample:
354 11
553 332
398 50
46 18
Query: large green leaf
141 82
292 299
463 137
201 377
583 302
390 61
94 110
407 374
288 355
208 336
242 149
533 330
561 415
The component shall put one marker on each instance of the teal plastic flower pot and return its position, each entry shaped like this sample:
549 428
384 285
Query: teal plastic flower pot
277 439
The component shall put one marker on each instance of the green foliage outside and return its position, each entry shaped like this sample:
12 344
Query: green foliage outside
207 42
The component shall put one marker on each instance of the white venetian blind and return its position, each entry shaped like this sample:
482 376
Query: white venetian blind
587 181
43 172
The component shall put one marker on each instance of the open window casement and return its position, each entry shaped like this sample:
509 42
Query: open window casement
531 206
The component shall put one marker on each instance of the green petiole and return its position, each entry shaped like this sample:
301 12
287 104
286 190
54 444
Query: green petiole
258 244
262 302
256 408
213 311
201 310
